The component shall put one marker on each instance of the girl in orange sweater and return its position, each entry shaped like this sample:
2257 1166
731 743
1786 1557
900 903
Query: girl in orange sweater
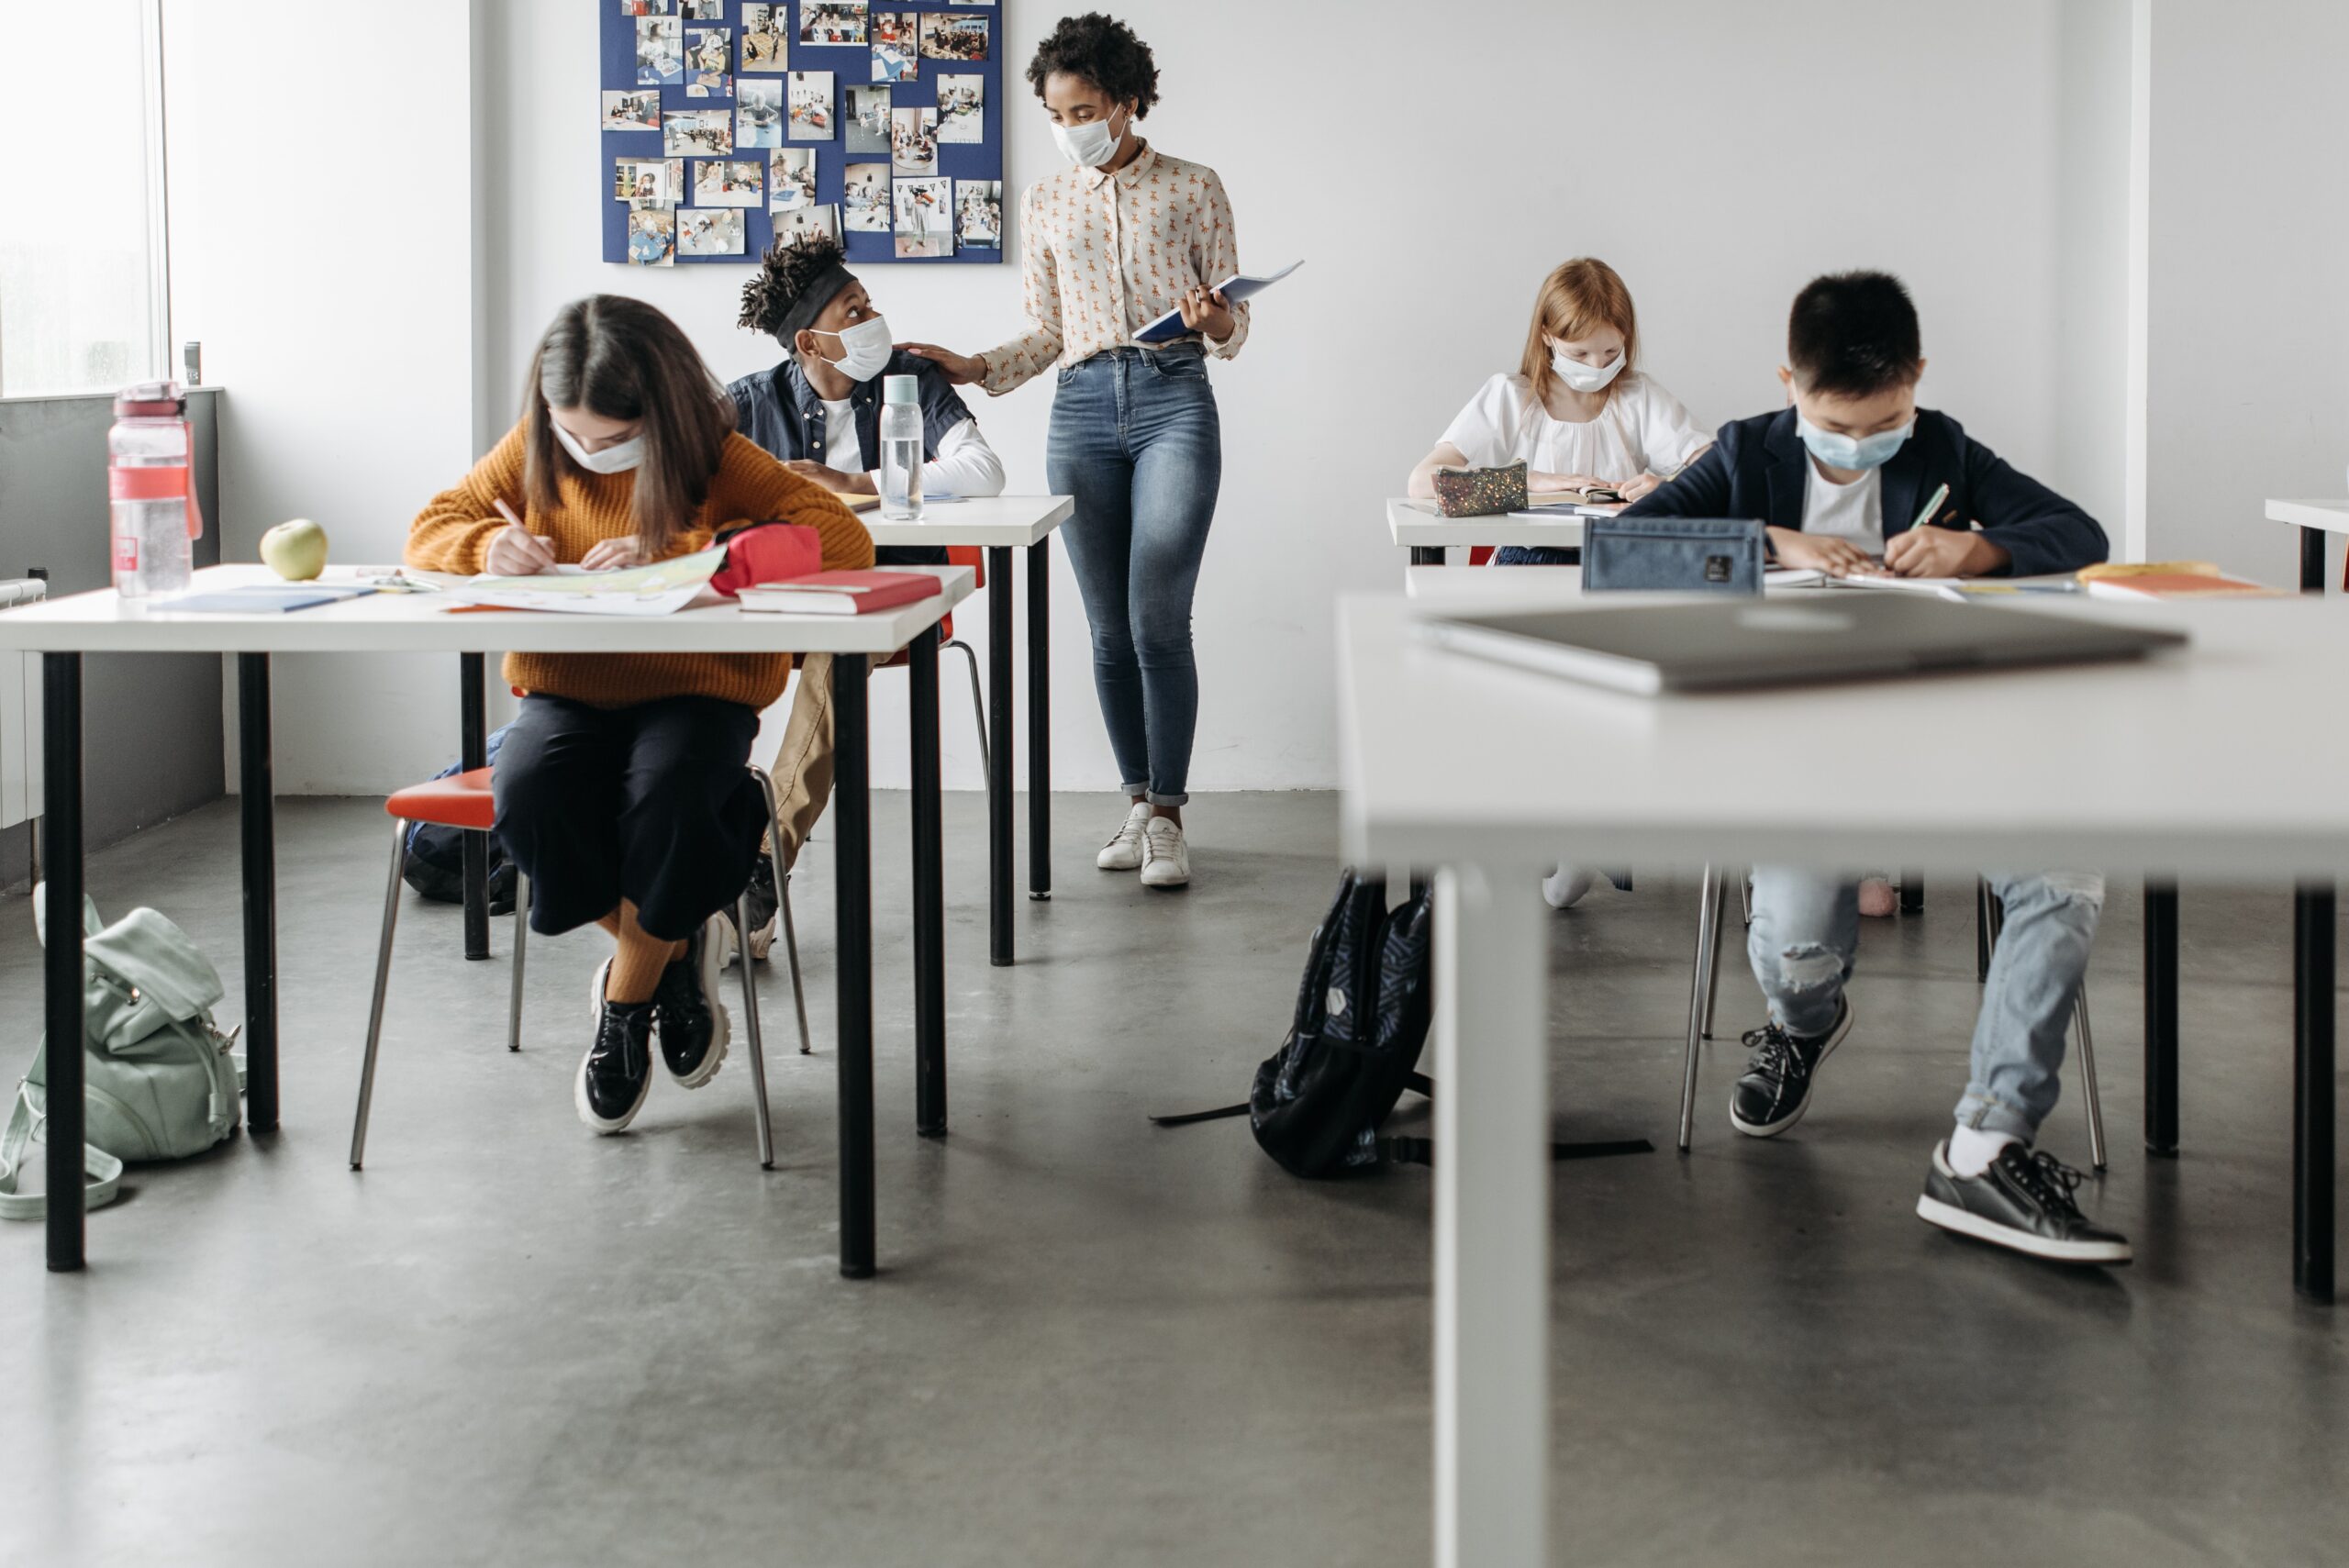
622 789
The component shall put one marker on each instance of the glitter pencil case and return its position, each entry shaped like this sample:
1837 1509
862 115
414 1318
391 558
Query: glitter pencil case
1480 492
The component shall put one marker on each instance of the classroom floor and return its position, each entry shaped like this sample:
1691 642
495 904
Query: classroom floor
1096 1342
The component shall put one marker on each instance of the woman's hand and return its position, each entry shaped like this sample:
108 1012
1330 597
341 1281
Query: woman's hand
1553 483
833 478
612 554
1836 557
1205 311
516 551
959 370
1633 489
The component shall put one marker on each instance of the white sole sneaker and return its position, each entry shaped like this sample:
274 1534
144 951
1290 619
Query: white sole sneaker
1166 855
1834 1038
1123 852
601 1126
1950 1217
716 944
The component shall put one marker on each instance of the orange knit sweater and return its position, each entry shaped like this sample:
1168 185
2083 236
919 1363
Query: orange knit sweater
453 531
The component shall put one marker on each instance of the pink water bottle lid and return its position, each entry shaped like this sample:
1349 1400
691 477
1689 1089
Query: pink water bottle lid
151 400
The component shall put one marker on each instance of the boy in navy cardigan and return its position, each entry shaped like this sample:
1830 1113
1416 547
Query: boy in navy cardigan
1849 479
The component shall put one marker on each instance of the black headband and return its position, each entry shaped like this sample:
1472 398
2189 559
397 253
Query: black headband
821 290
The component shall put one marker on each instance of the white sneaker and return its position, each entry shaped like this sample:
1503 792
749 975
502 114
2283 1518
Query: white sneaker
1165 857
1124 851
1563 887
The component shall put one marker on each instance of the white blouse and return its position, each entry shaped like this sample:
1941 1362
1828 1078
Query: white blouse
1642 430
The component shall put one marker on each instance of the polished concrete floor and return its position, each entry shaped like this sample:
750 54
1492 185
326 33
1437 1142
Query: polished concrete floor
1094 1342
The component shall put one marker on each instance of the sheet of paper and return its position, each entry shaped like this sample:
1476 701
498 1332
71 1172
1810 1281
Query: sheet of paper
662 588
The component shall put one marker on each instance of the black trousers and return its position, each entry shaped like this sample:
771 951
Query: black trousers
652 804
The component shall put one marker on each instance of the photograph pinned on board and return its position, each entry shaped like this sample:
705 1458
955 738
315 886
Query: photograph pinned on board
945 36
699 133
758 114
801 222
646 8
978 213
925 218
865 198
643 182
897 46
714 231
791 178
962 109
913 141
651 237
708 50
709 85
702 10
660 51
728 182
811 105
763 27
832 21
633 111
867 118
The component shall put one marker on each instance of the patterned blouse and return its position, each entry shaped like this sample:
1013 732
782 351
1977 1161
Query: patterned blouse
1103 255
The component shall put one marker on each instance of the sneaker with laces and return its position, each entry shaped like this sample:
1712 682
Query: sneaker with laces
687 1010
1775 1089
616 1072
1166 856
1124 851
2023 1202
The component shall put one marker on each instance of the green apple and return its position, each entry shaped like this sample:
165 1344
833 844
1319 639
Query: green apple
295 550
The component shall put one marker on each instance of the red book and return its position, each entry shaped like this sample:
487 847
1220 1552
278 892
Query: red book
839 593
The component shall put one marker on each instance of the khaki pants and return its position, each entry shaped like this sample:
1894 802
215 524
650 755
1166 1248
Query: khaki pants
803 763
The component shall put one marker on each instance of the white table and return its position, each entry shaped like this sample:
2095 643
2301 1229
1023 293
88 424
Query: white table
1489 774
63 630
2315 519
1417 527
999 525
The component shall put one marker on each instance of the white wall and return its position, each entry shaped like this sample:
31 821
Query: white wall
2249 393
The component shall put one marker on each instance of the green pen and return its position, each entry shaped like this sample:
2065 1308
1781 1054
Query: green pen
1931 506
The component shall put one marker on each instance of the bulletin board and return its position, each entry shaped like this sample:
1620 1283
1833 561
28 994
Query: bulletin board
729 123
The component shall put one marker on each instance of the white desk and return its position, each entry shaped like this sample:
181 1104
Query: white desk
1425 532
2315 519
998 525
1488 774
63 630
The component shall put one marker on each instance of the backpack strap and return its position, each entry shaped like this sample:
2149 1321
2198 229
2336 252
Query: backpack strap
25 1123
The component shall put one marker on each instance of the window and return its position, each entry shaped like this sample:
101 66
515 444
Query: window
82 298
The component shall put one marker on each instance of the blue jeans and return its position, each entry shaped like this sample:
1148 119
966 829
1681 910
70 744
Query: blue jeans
1136 440
1807 927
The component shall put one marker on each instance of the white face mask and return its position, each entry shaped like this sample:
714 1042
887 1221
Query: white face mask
617 458
865 349
1580 376
1090 145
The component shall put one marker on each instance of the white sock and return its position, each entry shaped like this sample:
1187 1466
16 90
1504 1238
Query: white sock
1971 1150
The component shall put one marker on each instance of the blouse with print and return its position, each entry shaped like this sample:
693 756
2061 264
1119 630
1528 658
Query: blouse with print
1642 428
1105 253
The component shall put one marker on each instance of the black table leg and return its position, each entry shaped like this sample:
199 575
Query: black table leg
930 893
1426 555
853 884
1040 728
2312 1090
999 752
2161 1018
257 806
60 833
2312 561
1913 892
473 751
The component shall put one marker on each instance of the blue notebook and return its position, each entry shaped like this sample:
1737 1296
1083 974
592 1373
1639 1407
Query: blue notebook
262 598
1234 289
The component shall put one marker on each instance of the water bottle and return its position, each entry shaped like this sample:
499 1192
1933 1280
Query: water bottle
900 448
150 483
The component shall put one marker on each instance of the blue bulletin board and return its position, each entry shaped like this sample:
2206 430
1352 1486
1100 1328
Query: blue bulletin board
853 117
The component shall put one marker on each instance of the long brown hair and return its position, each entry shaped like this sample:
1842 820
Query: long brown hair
621 359
1576 299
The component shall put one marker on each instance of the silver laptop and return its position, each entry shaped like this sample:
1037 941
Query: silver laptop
1767 643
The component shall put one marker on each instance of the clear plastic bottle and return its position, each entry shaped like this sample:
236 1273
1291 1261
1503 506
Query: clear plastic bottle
901 448
149 482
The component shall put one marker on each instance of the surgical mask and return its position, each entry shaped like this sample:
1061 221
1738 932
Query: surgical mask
1088 146
1583 377
1857 453
865 349
617 458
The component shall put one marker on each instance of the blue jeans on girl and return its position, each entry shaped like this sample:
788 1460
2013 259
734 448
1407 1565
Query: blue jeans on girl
1135 438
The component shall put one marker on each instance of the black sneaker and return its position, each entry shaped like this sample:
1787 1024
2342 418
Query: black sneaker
616 1072
764 903
1775 1089
2023 1202
686 1006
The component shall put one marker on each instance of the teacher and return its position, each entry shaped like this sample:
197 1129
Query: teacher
1112 243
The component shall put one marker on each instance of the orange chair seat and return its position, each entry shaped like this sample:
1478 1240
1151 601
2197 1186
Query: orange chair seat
462 800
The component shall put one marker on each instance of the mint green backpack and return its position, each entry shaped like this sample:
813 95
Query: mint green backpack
162 1081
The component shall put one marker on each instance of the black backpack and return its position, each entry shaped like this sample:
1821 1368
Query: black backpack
436 855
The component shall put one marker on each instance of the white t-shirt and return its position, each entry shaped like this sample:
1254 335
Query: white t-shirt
1853 511
1642 430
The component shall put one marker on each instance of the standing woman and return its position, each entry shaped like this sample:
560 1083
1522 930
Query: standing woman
1112 243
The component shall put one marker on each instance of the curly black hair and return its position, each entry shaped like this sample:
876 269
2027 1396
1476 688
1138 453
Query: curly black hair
783 272
1102 51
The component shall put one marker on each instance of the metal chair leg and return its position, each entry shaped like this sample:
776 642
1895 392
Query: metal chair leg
1745 896
978 699
1708 897
758 1045
2087 1078
383 982
521 947
782 903
1713 976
